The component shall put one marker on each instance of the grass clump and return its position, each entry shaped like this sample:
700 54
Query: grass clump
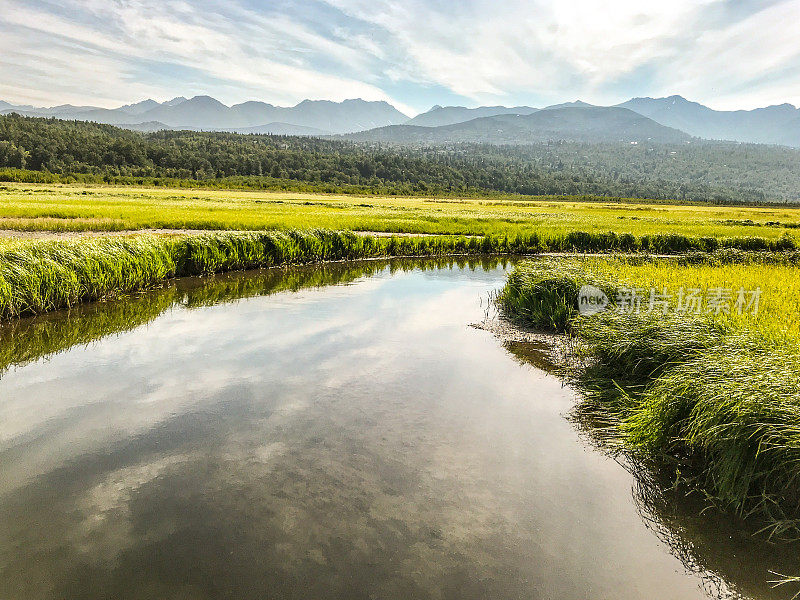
736 410
48 275
546 297
41 276
715 399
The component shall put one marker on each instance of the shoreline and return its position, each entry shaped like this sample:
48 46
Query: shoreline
711 402
42 275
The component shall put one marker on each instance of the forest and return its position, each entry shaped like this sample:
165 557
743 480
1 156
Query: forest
715 172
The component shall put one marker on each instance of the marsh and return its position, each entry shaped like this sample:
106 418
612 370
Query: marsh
324 432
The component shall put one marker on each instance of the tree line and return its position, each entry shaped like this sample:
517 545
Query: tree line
704 172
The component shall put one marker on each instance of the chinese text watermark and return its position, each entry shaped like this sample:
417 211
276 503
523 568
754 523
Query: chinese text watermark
715 300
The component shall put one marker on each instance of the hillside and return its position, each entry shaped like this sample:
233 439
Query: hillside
449 115
577 124
770 125
699 171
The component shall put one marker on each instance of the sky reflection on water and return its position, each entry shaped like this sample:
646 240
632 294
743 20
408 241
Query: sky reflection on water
357 440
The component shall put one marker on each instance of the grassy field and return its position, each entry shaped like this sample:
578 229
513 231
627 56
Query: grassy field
30 207
714 397
777 317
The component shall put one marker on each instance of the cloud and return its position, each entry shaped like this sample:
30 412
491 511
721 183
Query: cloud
490 50
748 63
729 53
235 55
486 48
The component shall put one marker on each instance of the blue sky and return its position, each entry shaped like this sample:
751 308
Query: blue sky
412 53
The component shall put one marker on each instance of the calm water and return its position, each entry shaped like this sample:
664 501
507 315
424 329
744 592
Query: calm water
338 432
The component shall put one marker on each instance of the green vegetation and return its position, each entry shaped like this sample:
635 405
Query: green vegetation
713 398
54 151
105 208
47 275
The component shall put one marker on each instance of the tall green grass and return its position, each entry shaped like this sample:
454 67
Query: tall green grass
41 276
47 275
716 402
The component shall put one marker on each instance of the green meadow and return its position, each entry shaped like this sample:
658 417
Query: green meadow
62 208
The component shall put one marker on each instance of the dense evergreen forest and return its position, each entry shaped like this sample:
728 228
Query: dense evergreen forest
698 171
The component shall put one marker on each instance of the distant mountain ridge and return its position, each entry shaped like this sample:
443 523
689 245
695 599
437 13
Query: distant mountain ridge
578 124
439 116
779 124
267 129
310 117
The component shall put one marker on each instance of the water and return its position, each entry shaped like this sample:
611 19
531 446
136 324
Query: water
249 436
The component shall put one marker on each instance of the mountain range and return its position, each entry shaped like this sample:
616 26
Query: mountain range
310 117
779 124
667 119
574 123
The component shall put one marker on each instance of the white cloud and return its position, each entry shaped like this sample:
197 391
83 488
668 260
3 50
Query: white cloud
242 55
750 63
486 51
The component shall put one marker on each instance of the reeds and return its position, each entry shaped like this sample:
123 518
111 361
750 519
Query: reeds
716 400
45 276
38 277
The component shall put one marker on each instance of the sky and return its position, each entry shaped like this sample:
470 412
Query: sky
727 54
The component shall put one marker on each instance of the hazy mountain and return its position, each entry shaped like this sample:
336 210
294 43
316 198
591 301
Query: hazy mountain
280 129
310 117
772 125
791 134
449 115
126 114
6 107
576 104
580 124
199 112
99 115
175 101
148 127
269 128
250 114
66 110
344 117
139 107
769 125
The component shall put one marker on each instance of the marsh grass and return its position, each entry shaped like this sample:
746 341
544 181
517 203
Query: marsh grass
44 276
41 276
645 226
715 399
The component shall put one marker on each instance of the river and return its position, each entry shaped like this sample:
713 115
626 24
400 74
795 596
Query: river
326 432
